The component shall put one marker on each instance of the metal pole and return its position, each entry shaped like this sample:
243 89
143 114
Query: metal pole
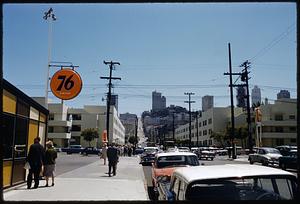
173 127
197 128
50 17
232 106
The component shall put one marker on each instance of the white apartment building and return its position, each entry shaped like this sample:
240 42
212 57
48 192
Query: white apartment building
279 123
95 117
59 125
213 120
207 102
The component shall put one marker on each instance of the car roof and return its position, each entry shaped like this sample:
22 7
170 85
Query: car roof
194 173
175 153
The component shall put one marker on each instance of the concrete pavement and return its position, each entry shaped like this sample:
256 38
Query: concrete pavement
89 183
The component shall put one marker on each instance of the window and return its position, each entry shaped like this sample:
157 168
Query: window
50 129
76 128
21 137
76 116
51 116
210 121
209 131
200 124
204 132
292 129
278 117
278 129
8 131
204 122
23 108
292 117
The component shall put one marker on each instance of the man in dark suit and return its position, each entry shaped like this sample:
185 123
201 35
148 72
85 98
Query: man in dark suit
113 158
35 158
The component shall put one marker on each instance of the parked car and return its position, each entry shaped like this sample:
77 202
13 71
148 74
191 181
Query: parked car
205 153
147 157
229 182
91 150
266 156
165 163
285 149
183 149
73 149
289 161
138 151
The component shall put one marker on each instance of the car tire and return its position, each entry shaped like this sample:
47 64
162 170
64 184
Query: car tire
282 166
264 163
251 161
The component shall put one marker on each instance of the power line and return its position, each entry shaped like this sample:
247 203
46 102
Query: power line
273 42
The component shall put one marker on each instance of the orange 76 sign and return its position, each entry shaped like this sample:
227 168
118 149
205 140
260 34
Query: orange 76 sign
66 84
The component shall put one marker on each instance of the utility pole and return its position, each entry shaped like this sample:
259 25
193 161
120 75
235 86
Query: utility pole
173 114
232 105
50 17
190 114
197 128
245 78
111 67
136 129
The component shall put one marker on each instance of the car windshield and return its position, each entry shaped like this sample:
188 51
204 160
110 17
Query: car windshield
255 188
176 160
273 151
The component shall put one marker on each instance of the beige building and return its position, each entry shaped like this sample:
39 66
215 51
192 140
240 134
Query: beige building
59 124
279 123
95 117
213 120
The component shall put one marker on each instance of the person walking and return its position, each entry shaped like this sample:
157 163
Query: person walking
49 164
113 158
35 158
104 153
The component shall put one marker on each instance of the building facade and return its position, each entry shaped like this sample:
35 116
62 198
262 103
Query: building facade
255 95
130 122
23 120
283 94
213 120
59 125
207 102
95 117
158 101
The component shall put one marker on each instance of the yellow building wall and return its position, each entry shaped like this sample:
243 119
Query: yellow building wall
7 168
9 102
32 133
42 117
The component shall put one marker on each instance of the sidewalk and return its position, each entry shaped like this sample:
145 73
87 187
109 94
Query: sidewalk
89 182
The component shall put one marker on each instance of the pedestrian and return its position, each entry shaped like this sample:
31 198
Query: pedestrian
129 151
35 158
104 153
113 158
49 164
125 150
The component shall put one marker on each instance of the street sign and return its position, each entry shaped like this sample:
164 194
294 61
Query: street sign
104 136
66 84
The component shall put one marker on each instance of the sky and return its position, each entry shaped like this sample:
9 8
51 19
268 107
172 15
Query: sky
171 48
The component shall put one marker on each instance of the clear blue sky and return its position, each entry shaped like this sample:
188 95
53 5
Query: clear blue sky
171 48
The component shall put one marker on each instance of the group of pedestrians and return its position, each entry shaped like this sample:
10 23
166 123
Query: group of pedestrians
39 160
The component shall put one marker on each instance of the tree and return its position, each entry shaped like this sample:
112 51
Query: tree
89 134
132 140
219 137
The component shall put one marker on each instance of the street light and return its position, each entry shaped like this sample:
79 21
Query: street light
50 17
